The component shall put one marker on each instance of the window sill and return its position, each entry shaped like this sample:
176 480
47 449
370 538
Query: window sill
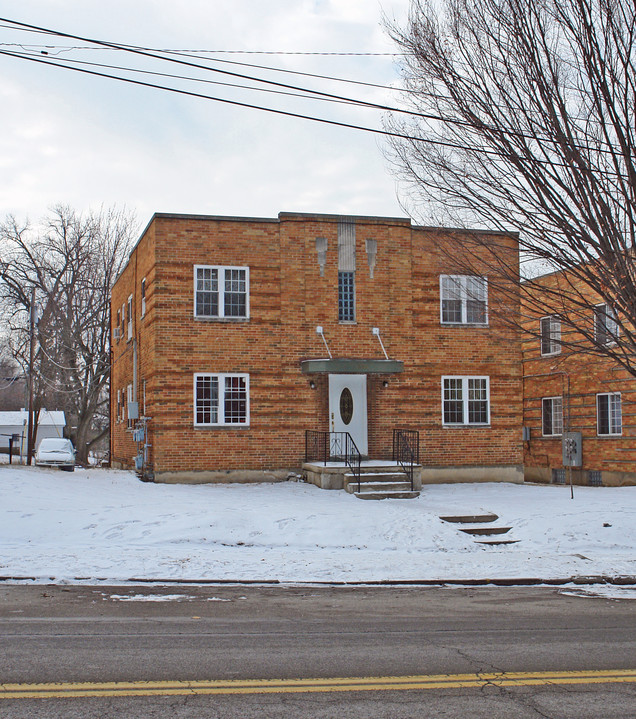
222 320
464 324
347 322
466 426
221 426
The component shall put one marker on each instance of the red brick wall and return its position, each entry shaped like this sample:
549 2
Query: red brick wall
288 299
577 375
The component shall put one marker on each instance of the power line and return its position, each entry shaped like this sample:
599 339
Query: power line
194 79
319 94
276 111
68 48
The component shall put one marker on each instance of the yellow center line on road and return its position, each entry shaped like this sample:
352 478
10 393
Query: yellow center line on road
296 686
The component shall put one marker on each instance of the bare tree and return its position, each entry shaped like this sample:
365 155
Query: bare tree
72 261
524 118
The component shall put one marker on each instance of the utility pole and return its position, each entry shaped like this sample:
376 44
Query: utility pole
30 432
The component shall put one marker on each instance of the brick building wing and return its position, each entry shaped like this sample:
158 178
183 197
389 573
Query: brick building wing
233 337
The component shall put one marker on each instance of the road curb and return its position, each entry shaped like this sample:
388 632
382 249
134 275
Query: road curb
620 580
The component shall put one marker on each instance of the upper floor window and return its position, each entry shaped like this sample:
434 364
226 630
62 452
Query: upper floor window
129 311
609 419
221 399
605 325
118 326
123 320
552 416
143 297
465 400
346 297
464 300
550 335
221 292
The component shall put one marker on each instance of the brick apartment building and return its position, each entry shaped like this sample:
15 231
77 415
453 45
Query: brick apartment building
232 336
567 388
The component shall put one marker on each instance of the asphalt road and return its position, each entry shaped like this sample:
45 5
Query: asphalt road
301 652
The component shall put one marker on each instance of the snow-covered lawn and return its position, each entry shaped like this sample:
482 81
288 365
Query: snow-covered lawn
105 524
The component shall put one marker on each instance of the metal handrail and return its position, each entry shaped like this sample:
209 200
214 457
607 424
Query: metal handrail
333 446
406 450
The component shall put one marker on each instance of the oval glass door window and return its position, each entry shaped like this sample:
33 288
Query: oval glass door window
346 405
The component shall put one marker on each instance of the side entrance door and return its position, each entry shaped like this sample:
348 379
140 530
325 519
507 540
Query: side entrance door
348 407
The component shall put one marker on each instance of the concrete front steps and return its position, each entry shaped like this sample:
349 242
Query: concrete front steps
380 485
380 479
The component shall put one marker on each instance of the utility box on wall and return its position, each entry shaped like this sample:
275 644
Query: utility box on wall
572 444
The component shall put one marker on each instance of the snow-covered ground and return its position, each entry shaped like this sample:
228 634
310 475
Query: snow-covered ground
106 525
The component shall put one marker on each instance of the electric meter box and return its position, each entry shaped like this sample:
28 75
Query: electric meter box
572 444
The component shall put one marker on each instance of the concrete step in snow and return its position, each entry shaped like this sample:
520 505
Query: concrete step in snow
380 485
483 531
387 495
378 480
470 518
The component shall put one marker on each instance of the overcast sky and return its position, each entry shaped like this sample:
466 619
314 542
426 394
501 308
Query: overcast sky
90 141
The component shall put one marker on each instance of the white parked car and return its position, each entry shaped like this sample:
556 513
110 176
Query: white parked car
56 452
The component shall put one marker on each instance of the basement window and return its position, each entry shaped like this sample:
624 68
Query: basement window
221 400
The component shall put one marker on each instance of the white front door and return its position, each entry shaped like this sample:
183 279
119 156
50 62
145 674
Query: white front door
348 407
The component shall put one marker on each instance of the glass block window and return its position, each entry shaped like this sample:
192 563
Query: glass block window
221 399
594 478
221 292
346 297
464 300
465 400
609 418
605 325
550 335
552 416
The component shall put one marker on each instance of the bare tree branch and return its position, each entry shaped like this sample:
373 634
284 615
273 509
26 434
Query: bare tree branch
540 95
72 260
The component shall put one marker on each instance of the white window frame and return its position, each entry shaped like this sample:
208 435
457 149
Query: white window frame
466 400
554 339
221 270
462 282
143 296
552 433
221 422
119 406
611 328
123 320
611 419
129 316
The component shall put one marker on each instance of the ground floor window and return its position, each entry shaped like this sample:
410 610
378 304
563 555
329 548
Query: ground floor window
609 418
465 400
552 416
221 399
